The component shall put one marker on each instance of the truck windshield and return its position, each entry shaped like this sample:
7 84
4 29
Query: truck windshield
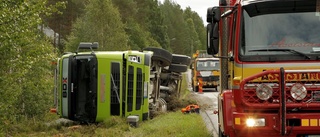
288 25
208 65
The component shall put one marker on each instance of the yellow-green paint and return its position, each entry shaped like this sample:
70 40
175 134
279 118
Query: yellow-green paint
104 61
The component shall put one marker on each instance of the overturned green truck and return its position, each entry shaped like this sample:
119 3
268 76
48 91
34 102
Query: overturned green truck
91 86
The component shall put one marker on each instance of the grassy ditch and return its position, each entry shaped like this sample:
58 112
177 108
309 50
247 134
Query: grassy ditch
173 123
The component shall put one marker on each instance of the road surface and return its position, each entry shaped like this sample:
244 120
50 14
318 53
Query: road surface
208 103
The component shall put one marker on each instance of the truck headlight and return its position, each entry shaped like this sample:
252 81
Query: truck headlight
298 91
264 91
255 122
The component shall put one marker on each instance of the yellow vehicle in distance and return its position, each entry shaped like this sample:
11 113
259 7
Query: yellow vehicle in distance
206 68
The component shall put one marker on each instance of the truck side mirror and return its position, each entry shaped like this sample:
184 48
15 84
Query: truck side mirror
213 18
213 15
212 38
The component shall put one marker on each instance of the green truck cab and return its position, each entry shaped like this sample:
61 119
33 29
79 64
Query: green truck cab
93 86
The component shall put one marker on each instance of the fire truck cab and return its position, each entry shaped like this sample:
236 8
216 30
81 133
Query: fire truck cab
270 77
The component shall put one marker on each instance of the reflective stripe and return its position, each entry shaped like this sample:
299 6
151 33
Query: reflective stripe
304 122
313 122
237 121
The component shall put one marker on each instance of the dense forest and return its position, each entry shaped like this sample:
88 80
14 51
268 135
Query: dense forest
26 52
127 24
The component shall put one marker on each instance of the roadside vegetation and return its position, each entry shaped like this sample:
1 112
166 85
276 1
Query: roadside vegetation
173 123
27 51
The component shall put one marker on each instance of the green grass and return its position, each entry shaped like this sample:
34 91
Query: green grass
171 124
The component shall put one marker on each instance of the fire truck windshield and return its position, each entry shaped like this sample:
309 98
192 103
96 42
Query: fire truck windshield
292 28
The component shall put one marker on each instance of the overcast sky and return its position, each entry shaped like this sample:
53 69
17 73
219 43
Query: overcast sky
199 6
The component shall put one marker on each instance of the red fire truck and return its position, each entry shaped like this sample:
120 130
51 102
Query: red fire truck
269 54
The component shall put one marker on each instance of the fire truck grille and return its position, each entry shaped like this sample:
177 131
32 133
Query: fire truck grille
301 89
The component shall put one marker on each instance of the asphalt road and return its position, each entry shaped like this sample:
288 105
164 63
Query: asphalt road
208 103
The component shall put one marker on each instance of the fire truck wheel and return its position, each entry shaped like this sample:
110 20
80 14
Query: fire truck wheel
161 55
178 68
181 59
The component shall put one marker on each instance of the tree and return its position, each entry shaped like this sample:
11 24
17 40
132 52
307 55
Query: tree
192 36
176 24
139 36
150 19
61 22
25 54
198 26
101 22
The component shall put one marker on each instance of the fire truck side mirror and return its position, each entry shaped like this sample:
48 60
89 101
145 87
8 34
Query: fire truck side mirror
212 39
213 15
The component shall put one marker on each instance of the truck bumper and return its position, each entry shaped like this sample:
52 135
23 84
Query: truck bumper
210 83
268 124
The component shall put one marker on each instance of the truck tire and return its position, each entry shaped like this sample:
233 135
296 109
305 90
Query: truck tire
196 88
216 88
161 55
181 59
178 68
220 133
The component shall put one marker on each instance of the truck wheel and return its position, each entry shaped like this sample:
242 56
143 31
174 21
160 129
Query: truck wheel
196 88
172 87
178 68
161 55
181 59
220 133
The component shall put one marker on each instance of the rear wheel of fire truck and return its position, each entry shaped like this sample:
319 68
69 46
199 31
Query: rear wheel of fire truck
163 56
178 68
181 59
